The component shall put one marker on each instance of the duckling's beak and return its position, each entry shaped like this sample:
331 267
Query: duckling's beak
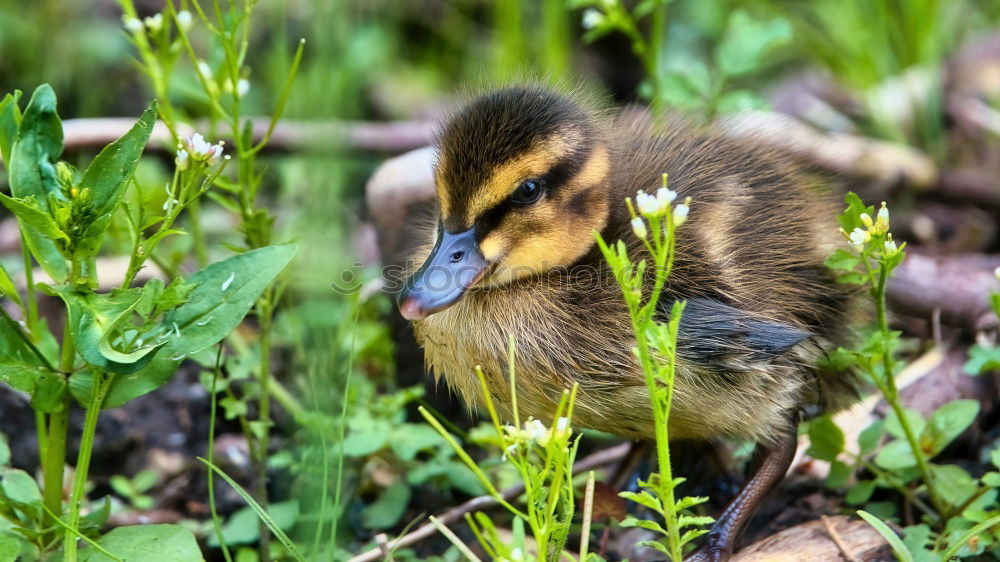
454 266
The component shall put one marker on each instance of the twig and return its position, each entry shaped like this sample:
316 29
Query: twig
590 462
838 540
394 136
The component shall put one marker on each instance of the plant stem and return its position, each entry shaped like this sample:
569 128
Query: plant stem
892 393
98 390
211 459
55 448
264 417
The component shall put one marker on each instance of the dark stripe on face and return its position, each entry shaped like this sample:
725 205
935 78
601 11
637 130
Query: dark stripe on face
563 171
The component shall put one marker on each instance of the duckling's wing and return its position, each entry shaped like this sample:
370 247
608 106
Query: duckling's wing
716 333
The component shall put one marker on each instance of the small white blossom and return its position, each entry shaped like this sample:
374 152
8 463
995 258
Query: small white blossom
184 19
536 430
890 247
664 197
858 237
205 69
646 203
639 228
592 18
996 272
203 151
214 154
562 424
154 23
242 87
681 213
133 25
182 161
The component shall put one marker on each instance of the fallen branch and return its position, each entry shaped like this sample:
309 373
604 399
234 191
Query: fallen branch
595 460
957 285
289 135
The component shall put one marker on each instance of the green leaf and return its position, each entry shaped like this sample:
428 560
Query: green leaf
898 548
462 478
10 122
31 214
21 490
631 521
948 422
870 436
388 508
839 474
409 439
49 393
983 358
860 492
149 543
107 177
895 455
4 451
852 278
747 41
953 483
223 293
243 526
826 440
842 259
7 287
738 101
97 323
31 167
643 498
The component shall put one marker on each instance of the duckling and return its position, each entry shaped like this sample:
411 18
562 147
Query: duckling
524 176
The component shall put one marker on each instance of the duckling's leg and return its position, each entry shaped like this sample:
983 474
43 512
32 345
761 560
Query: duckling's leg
774 462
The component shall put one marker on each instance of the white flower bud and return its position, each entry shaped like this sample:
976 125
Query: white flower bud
681 213
866 220
882 219
205 69
592 18
154 23
242 87
182 161
184 20
996 272
132 25
639 228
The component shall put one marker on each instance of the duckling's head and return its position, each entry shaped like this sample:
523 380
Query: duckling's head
521 180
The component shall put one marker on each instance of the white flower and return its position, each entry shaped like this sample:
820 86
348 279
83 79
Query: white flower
681 213
562 424
214 154
205 69
592 18
154 23
664 197
890 247
203 151
184 19
639 228
536 430
242 87
858 237
182 161
996 272
133 25
646 203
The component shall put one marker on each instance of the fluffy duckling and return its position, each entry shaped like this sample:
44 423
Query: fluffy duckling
524 176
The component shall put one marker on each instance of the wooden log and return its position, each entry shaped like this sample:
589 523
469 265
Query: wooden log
816 542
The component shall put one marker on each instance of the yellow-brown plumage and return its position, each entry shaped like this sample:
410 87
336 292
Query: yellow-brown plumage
756 239
525 176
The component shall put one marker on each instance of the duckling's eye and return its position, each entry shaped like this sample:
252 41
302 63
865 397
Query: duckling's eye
528 192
